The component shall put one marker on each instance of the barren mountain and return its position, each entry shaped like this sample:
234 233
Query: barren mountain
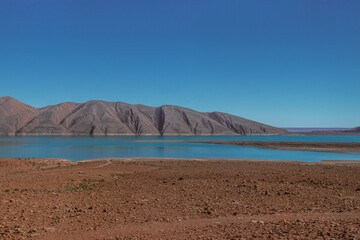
14 115
118 118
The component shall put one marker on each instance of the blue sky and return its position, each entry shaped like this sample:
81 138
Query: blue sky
284 63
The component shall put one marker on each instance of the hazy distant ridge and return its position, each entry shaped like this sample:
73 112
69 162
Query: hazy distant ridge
118 118
354 130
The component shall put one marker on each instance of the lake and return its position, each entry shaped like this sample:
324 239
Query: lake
77 148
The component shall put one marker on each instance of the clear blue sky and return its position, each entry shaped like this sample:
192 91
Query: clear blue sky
284 63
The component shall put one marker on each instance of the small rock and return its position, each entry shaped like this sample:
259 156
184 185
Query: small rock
49 229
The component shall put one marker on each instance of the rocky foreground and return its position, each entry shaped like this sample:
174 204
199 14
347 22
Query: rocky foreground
118 118
178 199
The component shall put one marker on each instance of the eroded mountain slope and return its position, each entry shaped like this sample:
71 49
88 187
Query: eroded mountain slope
118 118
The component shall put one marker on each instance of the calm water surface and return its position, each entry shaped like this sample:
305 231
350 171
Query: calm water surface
80 148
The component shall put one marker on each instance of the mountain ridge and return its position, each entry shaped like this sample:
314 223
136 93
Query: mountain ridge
98 117
353 130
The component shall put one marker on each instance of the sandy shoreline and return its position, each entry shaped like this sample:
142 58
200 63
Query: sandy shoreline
150 198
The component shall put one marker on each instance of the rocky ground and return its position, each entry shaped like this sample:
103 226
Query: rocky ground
178 199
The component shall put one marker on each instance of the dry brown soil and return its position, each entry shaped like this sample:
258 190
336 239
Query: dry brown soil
178 199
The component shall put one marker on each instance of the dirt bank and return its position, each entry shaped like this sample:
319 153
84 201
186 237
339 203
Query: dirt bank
178 199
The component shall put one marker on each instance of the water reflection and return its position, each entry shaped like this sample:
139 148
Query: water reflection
80 148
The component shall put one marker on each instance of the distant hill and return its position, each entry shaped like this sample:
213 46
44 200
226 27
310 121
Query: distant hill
354 130
118 118
307 130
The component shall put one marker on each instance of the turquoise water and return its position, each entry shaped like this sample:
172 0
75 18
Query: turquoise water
80 148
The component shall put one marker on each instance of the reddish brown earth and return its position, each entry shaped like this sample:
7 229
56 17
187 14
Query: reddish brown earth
178 199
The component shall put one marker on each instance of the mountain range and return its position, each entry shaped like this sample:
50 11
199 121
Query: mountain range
352 131
118 118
